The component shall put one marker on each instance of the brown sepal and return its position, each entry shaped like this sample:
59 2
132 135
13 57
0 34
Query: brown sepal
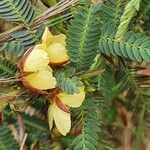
62 106
55 65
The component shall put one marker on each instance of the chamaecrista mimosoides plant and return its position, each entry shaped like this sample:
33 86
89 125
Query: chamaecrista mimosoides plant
37 75
99 37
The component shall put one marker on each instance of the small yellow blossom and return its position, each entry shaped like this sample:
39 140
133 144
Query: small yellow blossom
55 46
38 75
35 69
41 80
59 111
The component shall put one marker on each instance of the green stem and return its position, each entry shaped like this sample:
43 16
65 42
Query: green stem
90 73
52 2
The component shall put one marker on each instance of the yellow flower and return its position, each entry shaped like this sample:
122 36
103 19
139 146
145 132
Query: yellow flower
35 71
55 46
59 112
34 65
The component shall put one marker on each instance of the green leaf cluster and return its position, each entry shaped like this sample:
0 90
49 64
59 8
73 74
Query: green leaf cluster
7 141
88 139
82 37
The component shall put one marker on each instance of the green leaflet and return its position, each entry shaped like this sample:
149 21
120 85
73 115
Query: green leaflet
105 138
7 141
112 10
35 123
145 7
22 12
133 46
82 37
17 10
66 81
7 69
138 101
12 50
36 127
88 139
128 14
27 38
111 83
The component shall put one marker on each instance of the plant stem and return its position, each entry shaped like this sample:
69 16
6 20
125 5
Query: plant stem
90 73
23 142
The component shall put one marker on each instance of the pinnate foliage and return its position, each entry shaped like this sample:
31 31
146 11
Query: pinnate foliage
7 141
128 14
112 82
88 139
66 80
132 46
18 10
11 50
112 10
7 69
105 30
82 37
27 38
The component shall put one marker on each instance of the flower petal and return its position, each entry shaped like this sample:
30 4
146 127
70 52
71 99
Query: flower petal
48 68
47 37
50 116
57 53
42 80
41 47
35 61
61 38
62 119
74 100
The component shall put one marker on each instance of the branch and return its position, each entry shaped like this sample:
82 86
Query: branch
23 142
89 73
20 128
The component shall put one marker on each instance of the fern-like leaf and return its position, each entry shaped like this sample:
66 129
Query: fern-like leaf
108 85
11 51
7 141
35 123
132 46
105 115
82 37
88 139
7 69
129 12
35 127
112 10
66 82
27 38
137 99
17 10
